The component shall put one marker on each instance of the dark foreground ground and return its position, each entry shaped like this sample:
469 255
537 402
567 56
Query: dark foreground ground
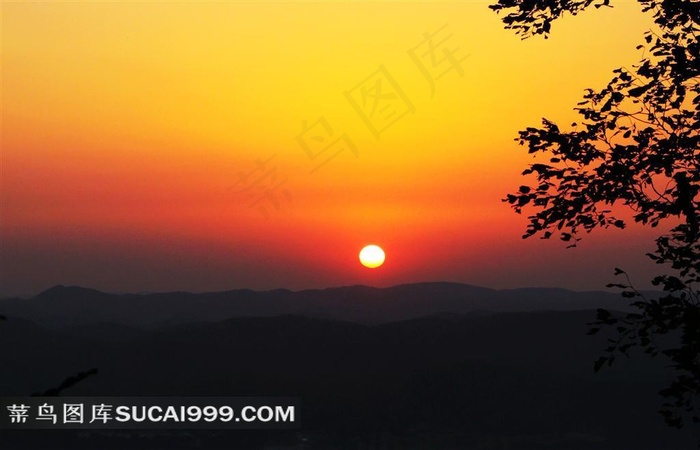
474 381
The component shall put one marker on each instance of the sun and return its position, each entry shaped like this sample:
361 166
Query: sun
372 256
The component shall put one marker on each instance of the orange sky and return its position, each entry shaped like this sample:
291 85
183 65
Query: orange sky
160 146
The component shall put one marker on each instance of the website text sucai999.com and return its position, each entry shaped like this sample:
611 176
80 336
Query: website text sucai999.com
194 414
149 412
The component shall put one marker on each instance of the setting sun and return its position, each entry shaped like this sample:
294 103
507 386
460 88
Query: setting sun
372 256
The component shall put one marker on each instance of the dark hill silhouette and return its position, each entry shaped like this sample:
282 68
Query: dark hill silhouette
69 306
478 380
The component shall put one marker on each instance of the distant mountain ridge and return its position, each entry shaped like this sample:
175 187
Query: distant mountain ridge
73 305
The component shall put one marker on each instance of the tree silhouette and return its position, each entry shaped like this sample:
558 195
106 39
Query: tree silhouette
637 144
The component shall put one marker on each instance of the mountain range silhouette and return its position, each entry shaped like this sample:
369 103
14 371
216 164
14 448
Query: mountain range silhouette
425 366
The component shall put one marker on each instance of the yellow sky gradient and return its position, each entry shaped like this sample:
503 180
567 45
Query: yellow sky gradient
126 128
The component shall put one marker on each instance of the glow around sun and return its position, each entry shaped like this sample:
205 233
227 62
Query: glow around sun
372 256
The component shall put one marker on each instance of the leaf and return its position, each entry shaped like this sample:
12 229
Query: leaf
636 92
603 314
599 363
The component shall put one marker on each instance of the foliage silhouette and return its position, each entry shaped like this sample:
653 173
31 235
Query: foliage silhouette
67 383
637 144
